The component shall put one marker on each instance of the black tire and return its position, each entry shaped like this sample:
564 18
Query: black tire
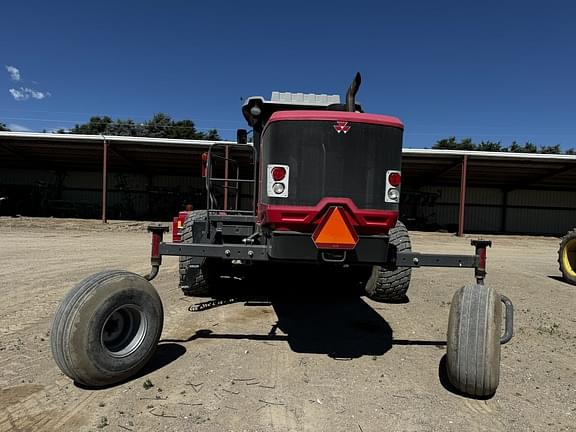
196 281
567 257
473 348
107 328
387 285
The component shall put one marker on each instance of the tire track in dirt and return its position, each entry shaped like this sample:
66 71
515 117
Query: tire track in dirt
47 408
279 418
29 401
397 390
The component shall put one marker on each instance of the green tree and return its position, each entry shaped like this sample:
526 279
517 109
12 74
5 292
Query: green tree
446 144
183 129
571 151
212 134
467 144
96 126
124 128
555 149
526 148
3 127
160 125
452 144
530 148
490 146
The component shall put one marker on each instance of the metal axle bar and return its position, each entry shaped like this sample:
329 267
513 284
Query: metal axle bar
226 251
415 259
260 253
252 252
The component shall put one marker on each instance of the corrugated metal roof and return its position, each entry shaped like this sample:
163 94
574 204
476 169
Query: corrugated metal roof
487 154
504 170
110 138
84 152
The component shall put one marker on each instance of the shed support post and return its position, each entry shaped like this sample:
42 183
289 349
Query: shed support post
105 182
503 227
149 189
462 196
226 156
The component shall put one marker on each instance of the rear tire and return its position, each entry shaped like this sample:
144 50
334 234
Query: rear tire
473 348
196 280
107 328
567 257
387 285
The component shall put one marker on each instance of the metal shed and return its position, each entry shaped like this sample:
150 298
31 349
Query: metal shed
150 178
496 191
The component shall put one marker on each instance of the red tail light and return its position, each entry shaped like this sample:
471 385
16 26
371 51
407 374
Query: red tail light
177 225
394 179
278 173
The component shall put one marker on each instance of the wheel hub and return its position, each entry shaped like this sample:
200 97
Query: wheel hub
124 330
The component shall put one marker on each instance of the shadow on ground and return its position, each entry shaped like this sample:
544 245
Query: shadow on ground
559 279
316 317
445 381
343 327
166 353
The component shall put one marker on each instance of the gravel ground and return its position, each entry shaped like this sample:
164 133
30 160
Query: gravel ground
347 364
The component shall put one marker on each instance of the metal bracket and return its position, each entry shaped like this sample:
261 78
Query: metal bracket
414 259
509 320
480 270
157 231
225 251
334 257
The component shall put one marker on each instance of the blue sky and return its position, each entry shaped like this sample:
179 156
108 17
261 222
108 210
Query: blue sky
488 70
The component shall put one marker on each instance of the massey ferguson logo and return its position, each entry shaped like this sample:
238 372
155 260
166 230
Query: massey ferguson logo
342 126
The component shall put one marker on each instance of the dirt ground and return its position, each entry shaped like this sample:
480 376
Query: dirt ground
352 365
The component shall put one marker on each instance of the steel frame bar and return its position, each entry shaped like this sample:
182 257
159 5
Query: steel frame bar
105 181
260 253
462 195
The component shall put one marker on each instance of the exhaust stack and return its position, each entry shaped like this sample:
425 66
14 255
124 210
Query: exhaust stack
351 94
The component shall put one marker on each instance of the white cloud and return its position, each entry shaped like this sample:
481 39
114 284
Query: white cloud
38 94
14 72
25 93
18 95
18 128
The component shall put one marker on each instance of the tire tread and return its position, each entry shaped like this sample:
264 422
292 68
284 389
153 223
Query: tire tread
473 349
570 235
392 285
66 317
194 282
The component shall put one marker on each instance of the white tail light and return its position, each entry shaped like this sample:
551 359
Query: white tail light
278 177
393 179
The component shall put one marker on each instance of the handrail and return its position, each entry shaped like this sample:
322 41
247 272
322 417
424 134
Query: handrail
213 182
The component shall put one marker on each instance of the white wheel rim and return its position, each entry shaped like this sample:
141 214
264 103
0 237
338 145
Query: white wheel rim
124 330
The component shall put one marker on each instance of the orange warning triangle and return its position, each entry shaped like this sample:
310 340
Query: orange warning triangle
334 232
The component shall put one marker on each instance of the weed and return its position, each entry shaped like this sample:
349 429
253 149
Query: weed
103 423
548 329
